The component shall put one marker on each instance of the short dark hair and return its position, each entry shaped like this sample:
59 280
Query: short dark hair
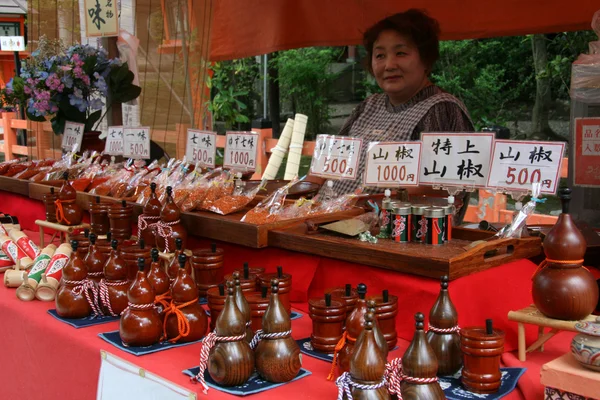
419 27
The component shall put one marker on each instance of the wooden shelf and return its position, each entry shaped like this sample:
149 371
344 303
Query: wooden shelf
14 185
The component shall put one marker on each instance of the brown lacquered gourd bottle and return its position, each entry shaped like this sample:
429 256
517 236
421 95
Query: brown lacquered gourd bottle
173 268
231 363
184 295
160 282
71 303
277 359
115 283
68 211
94 261
243 306
151 215
170 219
140 322
563 289
446 346
368 364
377 334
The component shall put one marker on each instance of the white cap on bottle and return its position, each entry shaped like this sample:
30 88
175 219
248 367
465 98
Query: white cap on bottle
329 184
518 205
387 192
450 199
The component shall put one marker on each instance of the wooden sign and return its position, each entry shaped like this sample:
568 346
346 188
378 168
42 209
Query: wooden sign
241 149
136 142
72 136
201 147
393 164
336 157
101 18
517 164
586 165
455 159
114 141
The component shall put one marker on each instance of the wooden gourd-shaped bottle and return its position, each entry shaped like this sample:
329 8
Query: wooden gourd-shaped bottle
563 289
184 295
70 301
419 361
367 365
445 345
115 283
243 306
68 211
94 261
171 225
379 338
150 215
160 282
231 363
140 322
277 359
173 268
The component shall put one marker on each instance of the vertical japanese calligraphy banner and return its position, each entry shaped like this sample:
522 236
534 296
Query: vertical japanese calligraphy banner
456 159
101 18
586 168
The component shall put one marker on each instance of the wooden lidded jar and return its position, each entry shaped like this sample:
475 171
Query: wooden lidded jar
258 302
285 286
99 221
482 349
328 318
563 289
248 272
216 301
346 295
248 281
386 311
131 254
120 220
208 268
68 211
49 199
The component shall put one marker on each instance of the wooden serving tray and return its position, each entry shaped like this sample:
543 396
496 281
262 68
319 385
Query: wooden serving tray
14 185
460 257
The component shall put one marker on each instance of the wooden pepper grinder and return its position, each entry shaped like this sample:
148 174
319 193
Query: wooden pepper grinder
258 302
94 261
161 284
120 220
367 366
419 361
562 288
173 268
99 216
243 306
247 280
379 338
482 349
184 310
443 334
348 296
386 311
71 299
216 297
68 211
113 287
169 228
278 356
328 318
151 215
49 202
140 322
208 268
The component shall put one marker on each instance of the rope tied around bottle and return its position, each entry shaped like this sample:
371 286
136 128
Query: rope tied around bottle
394 375
163 300
207 344
139 307
260 335
183 324
338 347
345 383
60 212
89 290
441 331
143 223
104 298
165 230
547 261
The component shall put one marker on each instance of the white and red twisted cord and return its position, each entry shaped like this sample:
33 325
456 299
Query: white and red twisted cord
165 230
435 329
394 376
104 298
260 335
139 307
143 223
85 287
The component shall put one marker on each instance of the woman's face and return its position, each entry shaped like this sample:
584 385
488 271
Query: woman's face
397 66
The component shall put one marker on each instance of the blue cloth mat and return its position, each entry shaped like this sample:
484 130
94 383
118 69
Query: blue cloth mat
454 390
293 316
83 322
254 385
306 348
115 339
203 300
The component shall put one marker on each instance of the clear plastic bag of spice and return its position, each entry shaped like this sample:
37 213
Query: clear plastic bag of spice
239 199
220 186
198 190
270 209
301 208
337 204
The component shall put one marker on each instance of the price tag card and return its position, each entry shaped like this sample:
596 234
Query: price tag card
517 164
586 165
393 164
201 147
336 157
12 43
241 149
136 142
456 159
114 141
72 136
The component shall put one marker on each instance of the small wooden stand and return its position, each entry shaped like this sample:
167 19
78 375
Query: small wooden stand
531 315
58 229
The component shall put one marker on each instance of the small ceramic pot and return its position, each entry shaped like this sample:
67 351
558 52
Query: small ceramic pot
586 345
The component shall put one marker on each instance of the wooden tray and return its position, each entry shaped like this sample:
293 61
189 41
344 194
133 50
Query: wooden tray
458 258
14 185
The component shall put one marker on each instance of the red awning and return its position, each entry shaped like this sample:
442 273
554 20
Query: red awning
253 27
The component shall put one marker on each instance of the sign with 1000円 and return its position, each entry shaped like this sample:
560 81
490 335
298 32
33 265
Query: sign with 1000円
136 142
114 141
392 164
72 136
241 149
336 157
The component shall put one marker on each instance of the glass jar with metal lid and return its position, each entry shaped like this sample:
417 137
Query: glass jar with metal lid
385 218
434 217
417 223
401 229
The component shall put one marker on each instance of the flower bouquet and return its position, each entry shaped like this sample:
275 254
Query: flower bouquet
71 84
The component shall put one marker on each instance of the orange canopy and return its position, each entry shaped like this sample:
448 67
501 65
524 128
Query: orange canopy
253 27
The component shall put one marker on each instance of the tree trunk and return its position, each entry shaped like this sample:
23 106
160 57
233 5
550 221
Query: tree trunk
274 94
539 119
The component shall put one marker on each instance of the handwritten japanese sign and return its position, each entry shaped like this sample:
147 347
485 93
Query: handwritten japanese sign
586 164
12 43
336 157
517 164
393 164
201 147
455 159
241 149
101 18
114 141
72 136
136 142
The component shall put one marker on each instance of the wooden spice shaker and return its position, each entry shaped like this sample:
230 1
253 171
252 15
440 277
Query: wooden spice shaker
482 349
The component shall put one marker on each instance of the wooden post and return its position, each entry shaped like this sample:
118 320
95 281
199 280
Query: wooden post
10 136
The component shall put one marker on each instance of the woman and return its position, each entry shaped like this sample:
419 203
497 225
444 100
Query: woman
402 50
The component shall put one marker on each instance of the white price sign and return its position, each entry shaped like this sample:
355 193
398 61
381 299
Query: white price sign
456 159
336 157
136 142
12 43
241 149
114 141
517 164
393 164
201 147
72 136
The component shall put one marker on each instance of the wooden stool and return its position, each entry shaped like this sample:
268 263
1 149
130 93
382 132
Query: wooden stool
58 229
531 315
566 376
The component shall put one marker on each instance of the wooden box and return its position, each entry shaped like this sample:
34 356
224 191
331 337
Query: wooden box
14 185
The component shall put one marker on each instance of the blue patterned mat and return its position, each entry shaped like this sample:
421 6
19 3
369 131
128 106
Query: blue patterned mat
115 339
306 348
454 390
83 322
